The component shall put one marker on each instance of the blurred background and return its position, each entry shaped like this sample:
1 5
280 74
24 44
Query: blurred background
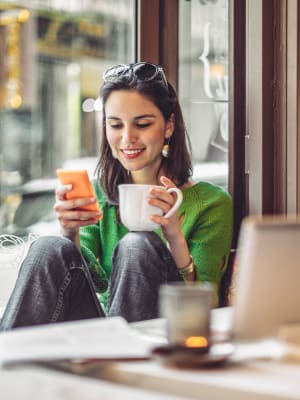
52 55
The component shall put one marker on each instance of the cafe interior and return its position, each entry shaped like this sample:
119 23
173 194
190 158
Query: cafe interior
236 67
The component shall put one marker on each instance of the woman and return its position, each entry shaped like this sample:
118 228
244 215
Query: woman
97 267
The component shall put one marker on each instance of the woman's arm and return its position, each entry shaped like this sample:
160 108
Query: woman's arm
171 229
204 232
211 238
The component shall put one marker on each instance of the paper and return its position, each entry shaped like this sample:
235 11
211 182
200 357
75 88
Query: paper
101 338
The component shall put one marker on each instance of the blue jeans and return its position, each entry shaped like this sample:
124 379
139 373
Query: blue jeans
54 283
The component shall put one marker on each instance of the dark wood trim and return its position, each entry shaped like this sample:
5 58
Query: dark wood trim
168 52
148 32
157 33
298 108
268 144
237 105
280 105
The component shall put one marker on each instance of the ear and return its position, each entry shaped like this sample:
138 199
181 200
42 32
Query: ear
170 126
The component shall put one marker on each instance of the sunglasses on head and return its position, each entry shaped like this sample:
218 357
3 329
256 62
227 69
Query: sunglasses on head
143 71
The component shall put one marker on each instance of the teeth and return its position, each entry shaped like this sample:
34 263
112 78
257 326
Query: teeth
131 151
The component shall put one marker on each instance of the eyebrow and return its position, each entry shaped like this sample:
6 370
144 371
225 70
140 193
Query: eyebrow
145 116
135 118
111 117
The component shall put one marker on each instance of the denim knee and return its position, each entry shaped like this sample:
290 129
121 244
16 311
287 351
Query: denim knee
140 248
141 263
44 243
140 243
53 250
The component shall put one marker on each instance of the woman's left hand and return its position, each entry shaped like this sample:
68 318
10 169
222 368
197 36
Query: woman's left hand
171 226
164 200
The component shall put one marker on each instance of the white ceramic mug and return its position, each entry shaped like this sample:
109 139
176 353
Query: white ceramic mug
135 211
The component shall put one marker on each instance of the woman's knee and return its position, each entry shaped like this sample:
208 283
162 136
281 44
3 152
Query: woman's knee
47 242
54 250
140 242
50 245
139 249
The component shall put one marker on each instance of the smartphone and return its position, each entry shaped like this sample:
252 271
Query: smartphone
81 184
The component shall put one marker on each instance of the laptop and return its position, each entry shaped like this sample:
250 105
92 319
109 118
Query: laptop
268 279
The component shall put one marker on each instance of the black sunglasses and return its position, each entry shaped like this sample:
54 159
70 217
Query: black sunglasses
144 71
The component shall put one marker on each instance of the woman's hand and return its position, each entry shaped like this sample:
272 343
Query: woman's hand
164 200
171 226
69 214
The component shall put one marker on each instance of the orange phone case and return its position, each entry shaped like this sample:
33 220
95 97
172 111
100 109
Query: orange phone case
82 186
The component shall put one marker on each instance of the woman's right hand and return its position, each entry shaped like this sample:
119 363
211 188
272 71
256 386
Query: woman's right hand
70 217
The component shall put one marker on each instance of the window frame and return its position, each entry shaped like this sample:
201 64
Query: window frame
157 29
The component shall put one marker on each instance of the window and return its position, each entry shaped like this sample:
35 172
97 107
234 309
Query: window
203 84
52 55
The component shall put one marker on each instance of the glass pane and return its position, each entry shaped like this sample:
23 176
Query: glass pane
52 55
203 84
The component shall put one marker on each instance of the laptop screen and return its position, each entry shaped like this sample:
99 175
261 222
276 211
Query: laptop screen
268 278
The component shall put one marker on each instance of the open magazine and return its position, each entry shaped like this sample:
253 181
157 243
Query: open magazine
94 339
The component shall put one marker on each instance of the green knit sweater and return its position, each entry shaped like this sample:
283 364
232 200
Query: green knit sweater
206 221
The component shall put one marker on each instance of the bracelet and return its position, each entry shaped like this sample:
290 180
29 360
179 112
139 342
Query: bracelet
184 272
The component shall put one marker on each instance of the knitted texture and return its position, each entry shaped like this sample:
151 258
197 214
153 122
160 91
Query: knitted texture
206 222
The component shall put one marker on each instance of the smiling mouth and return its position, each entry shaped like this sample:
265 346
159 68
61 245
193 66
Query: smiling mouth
132 153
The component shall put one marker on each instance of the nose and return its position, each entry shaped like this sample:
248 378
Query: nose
128 136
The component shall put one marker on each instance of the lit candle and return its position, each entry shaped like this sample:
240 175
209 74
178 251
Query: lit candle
187 311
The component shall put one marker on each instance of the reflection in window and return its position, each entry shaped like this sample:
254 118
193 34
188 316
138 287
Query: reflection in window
52 55
203 84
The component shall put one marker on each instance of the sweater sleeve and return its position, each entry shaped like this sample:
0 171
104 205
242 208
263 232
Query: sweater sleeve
90 249
210 241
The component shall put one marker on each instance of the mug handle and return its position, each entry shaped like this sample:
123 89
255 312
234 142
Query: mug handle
177 203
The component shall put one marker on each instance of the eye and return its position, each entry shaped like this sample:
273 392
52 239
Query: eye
143 125
115 125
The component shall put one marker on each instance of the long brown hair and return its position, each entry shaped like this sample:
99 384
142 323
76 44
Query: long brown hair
177 166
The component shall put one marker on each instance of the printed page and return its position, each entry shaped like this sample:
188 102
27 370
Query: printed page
107 338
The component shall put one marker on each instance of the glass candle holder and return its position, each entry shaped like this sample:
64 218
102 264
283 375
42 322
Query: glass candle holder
186 308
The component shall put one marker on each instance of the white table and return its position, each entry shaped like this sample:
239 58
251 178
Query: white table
149 380
41 384
255 380
264 379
